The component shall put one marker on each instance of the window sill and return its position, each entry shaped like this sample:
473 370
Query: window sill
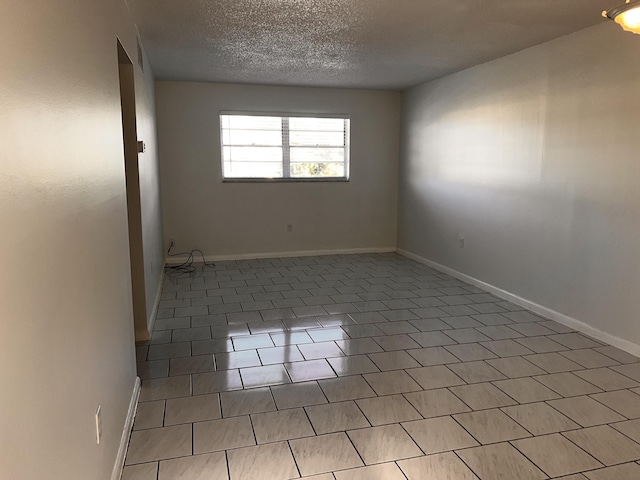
285 180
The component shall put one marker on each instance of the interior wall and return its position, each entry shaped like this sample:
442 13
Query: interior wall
533 160
150 201
228 219
67 336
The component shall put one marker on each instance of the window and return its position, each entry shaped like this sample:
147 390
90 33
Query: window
296 148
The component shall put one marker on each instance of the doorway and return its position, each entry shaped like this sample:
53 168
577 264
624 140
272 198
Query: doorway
132 174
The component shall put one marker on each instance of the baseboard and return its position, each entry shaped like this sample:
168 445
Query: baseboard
126 431
144 335
301 253
541 310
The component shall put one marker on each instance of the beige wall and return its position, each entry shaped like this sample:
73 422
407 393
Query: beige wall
66 335
534 159
250 218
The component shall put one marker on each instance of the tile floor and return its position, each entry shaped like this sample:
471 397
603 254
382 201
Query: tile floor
373 367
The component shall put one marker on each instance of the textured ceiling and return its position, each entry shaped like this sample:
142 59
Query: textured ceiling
389 44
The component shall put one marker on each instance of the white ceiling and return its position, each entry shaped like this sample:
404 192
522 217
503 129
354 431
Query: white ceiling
390 44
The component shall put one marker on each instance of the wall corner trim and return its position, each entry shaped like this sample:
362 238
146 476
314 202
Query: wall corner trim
546 312
301 253
126 431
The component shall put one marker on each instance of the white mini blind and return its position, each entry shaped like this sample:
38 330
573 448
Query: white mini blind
284 147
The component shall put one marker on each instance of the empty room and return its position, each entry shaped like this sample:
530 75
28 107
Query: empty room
328 240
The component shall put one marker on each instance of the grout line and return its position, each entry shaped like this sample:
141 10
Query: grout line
226 457
395 462
346 434
569 440
295 461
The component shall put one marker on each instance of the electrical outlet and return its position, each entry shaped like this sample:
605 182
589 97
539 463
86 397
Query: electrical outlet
461 240
289 227
99 424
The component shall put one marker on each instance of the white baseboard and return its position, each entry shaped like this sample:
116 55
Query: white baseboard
156 304
301 253
126 431
546 312
151 320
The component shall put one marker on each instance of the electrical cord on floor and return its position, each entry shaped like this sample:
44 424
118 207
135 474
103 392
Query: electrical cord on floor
187 267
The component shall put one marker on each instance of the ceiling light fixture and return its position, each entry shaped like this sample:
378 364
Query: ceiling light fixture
627 16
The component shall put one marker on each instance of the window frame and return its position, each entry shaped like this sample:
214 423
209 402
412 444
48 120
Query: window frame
286 158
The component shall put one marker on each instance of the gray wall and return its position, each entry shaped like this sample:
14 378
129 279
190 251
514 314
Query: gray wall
250 218
67 334
534 159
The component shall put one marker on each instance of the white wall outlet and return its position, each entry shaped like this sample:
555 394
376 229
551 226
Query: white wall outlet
289 227
99 424
461 240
